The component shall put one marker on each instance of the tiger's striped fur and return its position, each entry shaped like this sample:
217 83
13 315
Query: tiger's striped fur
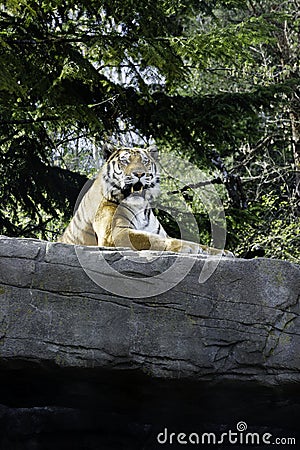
127 172
116 212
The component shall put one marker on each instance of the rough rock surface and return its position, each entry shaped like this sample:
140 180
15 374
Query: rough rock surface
86 368
242 323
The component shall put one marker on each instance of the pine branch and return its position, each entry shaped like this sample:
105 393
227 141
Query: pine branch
29 121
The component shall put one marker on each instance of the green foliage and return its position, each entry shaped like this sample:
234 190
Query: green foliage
279 236
36 199
195 76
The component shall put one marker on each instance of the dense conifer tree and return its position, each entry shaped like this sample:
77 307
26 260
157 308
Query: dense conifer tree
201 78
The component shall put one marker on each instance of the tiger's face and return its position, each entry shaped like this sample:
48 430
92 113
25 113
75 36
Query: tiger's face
131 171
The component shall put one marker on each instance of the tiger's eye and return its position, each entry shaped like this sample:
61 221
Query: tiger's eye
123 159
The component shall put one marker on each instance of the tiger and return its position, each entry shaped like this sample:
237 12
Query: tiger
116 209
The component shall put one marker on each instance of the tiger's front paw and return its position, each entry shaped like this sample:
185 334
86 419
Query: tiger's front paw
179 246
216 251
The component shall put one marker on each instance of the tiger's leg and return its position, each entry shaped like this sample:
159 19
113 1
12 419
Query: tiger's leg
102 224
138 240
141 240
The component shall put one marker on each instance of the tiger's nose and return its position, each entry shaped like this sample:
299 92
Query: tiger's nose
138 174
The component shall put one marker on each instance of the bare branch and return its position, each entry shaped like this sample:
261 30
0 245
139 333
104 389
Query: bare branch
196 185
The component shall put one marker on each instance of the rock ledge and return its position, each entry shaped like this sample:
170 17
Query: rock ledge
241 324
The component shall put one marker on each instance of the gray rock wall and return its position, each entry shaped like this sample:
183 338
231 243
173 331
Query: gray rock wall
241 324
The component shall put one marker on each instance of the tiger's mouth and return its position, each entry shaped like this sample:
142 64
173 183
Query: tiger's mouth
137 188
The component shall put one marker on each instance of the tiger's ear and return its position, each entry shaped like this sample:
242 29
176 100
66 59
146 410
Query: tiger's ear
107 150
153 150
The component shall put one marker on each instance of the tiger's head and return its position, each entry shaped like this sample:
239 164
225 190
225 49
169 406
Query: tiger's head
130 171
